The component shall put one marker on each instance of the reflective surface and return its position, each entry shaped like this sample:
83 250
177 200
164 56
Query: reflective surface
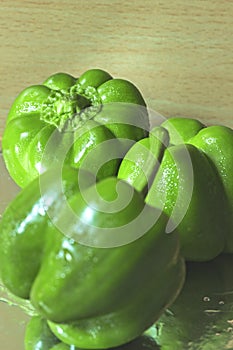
200 319
202 316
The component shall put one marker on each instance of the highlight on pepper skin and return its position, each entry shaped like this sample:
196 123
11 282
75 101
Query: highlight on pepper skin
67 104
111 207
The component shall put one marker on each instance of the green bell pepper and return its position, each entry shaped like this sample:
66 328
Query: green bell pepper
199 319
101 273
65 118
38 336
186 170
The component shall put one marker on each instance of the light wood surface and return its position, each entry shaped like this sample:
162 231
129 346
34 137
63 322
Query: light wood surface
179 53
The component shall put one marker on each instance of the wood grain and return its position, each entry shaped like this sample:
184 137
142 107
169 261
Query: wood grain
179 53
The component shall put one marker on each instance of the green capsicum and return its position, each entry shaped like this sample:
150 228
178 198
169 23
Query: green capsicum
93 259
66 118
185 169
199 319
39 336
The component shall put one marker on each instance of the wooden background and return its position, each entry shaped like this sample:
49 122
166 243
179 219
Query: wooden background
179 53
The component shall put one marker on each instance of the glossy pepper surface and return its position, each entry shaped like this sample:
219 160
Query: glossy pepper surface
39 336
185 169
65 118
200 318
95 290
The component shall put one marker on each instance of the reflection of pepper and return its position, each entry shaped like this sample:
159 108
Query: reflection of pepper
190 178
74 114
39 336
92 297
201 317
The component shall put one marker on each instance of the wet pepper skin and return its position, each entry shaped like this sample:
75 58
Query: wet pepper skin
65 118
207 285
38 336
185 168
93 297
